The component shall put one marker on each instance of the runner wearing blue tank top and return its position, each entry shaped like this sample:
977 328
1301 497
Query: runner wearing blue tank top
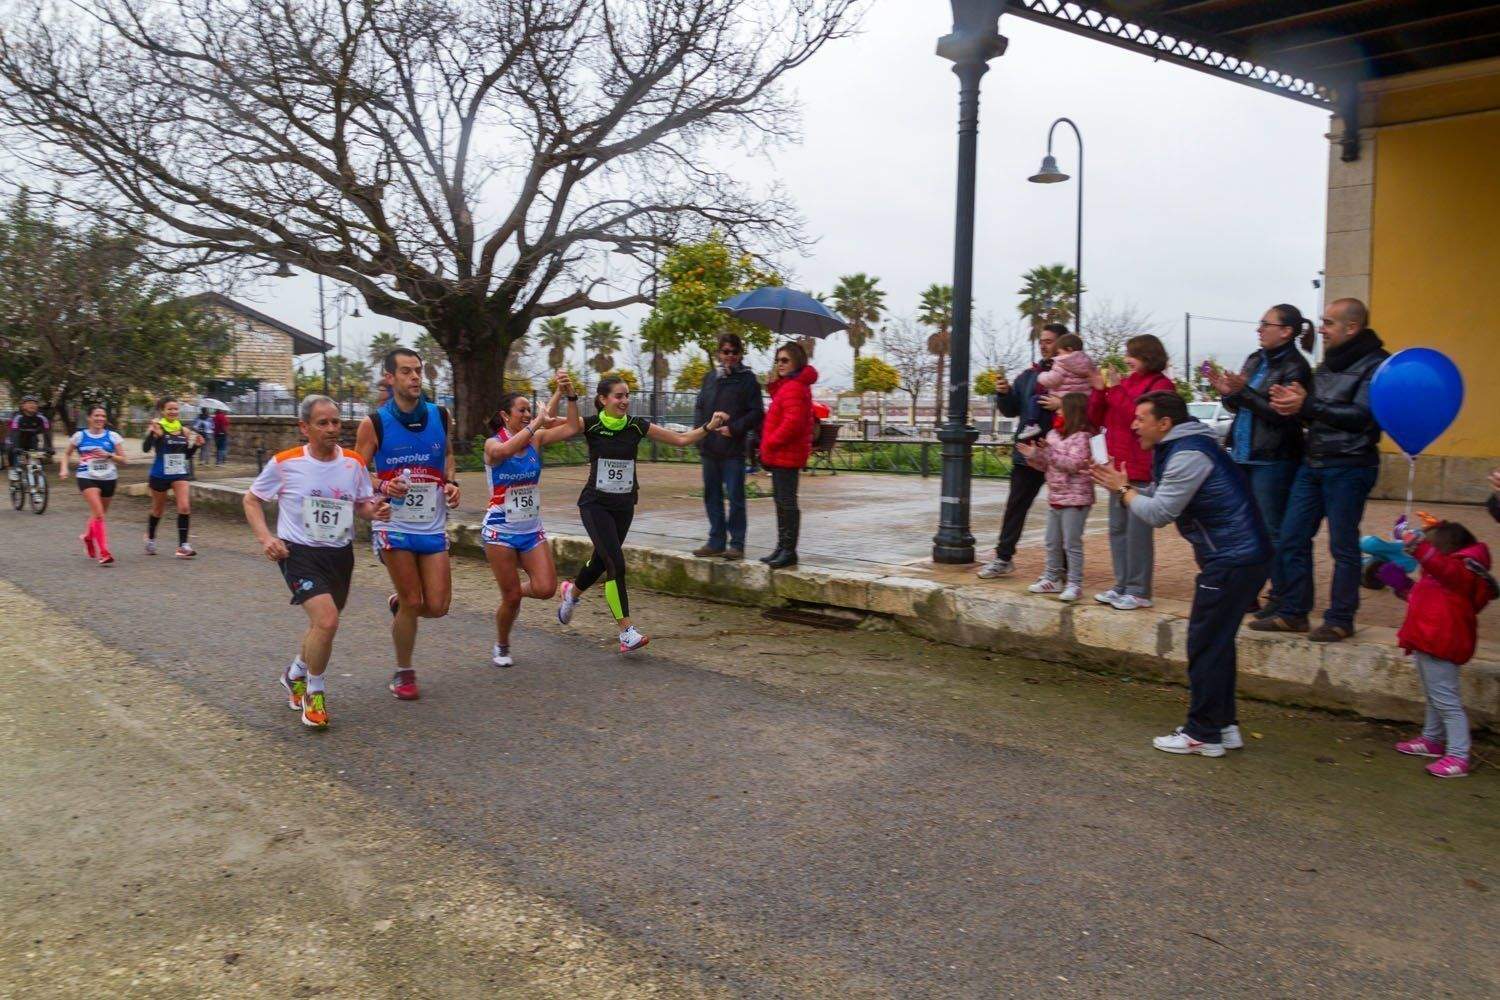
406 440
170 472
512 533
100 452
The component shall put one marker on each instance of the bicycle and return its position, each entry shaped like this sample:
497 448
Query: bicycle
31 484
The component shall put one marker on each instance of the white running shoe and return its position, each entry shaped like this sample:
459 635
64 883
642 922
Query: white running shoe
996 568
1231 738
1129 602
500 656
185 551
1045 586
150 546
569 602
1070 594
1110 596
1181 743
632 639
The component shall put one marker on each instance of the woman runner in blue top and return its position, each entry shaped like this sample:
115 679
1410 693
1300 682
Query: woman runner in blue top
100 451
512 533
170 472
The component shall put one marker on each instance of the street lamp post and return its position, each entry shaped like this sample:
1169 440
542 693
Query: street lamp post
975 40
1050 174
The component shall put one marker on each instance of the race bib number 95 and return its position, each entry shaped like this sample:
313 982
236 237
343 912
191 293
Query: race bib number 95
615 475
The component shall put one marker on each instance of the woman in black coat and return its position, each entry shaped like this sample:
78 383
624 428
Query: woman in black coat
1266 445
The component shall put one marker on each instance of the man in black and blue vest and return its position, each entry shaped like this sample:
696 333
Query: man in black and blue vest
1198 485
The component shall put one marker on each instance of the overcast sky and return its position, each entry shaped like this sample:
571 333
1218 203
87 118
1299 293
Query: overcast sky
1201 195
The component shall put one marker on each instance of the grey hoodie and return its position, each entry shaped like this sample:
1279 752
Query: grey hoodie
1185 472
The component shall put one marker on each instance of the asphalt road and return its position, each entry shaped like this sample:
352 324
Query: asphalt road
788 842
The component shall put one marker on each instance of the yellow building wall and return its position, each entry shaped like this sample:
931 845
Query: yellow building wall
1435 260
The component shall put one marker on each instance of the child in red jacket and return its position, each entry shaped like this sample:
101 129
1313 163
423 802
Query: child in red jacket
1440 632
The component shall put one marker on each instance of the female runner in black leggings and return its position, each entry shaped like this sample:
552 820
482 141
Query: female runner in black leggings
607 504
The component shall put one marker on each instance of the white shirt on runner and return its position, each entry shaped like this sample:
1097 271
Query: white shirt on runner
100 469
315 500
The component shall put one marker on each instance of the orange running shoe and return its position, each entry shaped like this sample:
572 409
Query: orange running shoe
295 690
315 711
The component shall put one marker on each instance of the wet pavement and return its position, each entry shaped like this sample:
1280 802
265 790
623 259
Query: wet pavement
791 812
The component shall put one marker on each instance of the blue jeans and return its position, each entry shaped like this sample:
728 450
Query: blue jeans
1337 493
724 477
1271 485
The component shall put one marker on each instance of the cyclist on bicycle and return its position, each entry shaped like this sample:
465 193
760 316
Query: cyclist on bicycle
28 432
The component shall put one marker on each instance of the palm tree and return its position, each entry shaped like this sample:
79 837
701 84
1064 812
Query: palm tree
381 345
432 354
936 311
602 338
857 299
1048 295
558 336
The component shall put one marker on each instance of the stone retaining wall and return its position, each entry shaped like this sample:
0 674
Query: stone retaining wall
1369 676
250 435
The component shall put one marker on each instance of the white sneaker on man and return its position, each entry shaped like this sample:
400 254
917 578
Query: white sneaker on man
1110 596
1231 738
1070 594
1180 742
1129 602
1045 586
996 568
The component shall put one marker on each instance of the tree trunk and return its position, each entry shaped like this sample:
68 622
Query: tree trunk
478 383
937 415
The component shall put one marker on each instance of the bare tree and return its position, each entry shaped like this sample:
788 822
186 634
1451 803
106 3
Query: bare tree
1004 350
1110 324
905 348
466 165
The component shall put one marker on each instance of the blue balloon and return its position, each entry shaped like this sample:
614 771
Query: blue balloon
1416 394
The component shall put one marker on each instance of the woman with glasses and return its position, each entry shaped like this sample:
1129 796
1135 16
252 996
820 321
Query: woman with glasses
1266 445
607 504
786 443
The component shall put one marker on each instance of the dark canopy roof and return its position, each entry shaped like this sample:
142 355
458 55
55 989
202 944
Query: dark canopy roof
1313 52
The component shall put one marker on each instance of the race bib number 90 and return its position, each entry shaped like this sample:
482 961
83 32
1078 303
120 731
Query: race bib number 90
615 475
419 506
174 464
327 520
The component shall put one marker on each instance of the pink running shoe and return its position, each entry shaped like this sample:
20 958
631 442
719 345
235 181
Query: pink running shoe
1421 747
1449 767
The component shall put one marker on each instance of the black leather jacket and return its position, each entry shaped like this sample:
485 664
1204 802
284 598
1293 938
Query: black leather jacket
1341 428
1273 437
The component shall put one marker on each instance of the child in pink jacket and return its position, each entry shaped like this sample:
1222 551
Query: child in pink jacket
1072 370
1065 459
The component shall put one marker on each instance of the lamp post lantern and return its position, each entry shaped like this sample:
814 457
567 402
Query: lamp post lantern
1050 174
974 41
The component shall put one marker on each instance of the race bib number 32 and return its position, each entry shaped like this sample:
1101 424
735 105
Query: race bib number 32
420 505
615 475
174 465
326 519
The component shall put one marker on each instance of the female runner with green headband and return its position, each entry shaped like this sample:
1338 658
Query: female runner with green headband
607 504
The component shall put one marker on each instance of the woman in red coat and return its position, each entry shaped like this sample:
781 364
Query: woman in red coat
1112 408
786 442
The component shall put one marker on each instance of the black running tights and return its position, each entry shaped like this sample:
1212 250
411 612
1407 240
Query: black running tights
607 529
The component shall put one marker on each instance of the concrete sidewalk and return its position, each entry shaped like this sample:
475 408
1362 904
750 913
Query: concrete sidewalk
865 549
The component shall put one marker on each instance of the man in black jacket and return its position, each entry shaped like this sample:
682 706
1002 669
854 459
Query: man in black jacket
729 387
1021 401
1336 476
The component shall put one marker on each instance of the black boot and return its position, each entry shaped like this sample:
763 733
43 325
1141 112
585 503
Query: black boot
776 553
787 526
